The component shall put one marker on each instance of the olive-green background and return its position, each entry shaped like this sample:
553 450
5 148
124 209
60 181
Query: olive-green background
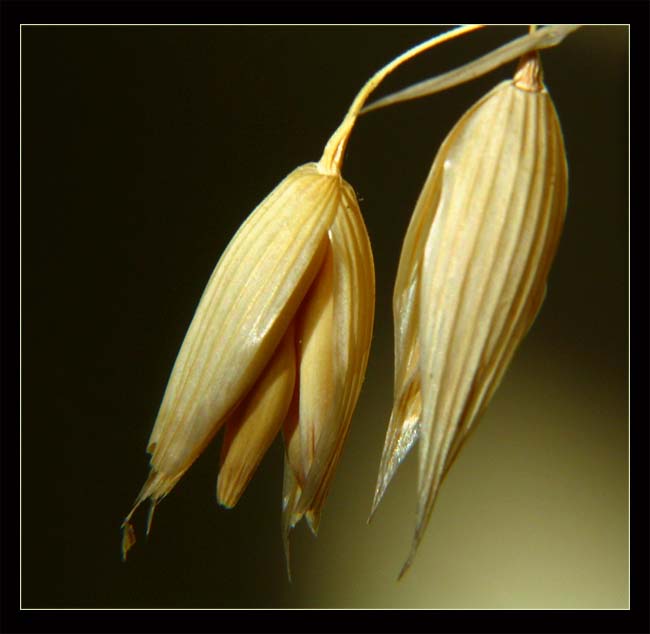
143 150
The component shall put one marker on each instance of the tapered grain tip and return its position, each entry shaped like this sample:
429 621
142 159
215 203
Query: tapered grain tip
230 486
287 556
128 538
380 489
406 567
313 521
155 488
373 509
414 547
379 494
152 508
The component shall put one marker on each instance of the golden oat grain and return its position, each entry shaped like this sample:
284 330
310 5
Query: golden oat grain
472 274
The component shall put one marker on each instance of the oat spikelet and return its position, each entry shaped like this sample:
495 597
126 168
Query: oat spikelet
472 274
244 314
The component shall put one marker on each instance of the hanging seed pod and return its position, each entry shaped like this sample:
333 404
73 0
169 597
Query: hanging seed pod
240 359
472 273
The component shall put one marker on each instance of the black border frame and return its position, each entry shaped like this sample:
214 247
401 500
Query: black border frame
14 13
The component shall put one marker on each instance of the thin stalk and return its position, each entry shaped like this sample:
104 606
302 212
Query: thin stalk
332 158
535 40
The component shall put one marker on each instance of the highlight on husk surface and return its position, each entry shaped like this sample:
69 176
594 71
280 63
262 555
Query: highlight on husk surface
279 340
472 273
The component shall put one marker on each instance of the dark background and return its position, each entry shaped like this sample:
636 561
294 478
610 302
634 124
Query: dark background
143 150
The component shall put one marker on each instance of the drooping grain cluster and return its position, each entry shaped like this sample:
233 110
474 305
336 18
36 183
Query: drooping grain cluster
280 339
279 342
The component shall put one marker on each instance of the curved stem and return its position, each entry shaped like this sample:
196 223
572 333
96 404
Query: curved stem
332 158
543 38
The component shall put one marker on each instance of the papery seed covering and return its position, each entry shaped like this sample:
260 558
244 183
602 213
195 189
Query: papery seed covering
286 316
472 274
